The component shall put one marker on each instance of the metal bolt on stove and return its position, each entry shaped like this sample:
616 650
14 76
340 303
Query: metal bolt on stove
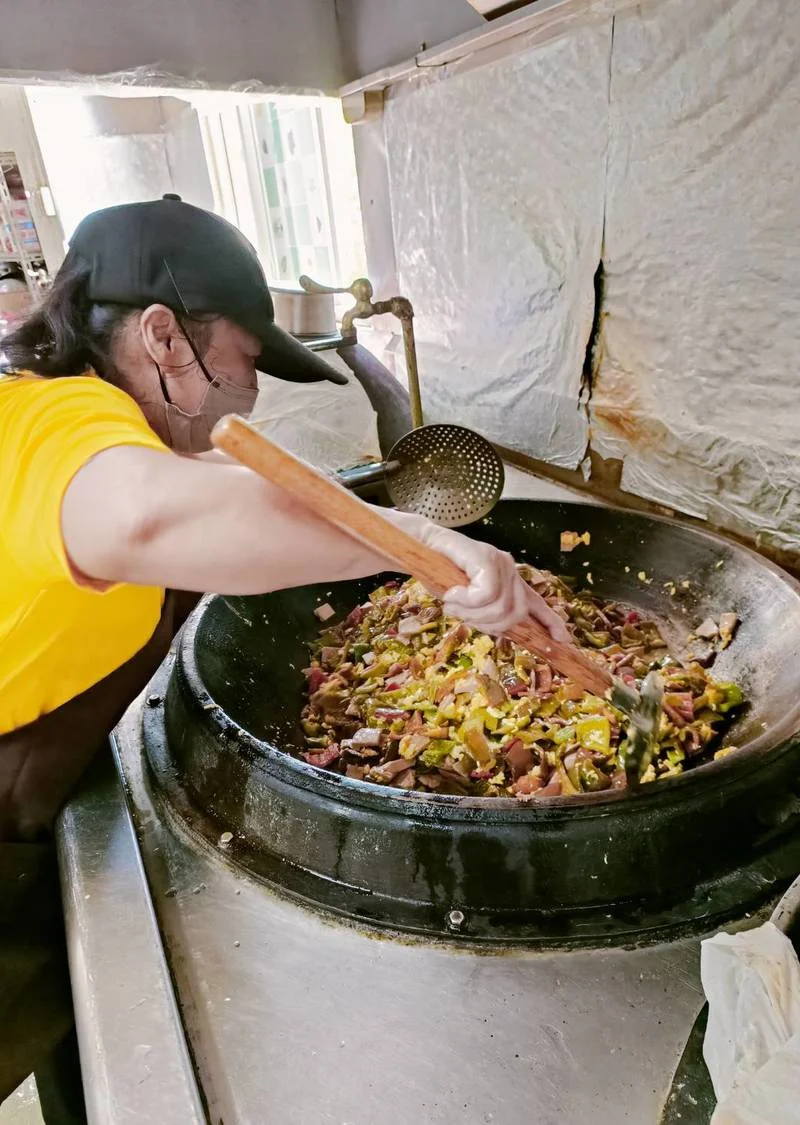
455 920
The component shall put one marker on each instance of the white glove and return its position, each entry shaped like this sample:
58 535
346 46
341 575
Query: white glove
497 598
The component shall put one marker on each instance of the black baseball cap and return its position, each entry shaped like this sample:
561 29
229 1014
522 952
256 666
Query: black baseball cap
171 253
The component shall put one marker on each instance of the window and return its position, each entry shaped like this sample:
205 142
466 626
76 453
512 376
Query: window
283 170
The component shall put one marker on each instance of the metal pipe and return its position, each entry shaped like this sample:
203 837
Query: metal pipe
406 319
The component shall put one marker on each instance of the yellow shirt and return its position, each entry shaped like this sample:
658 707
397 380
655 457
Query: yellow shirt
58 638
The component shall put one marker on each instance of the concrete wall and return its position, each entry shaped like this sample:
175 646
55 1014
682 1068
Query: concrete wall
379 33
282 43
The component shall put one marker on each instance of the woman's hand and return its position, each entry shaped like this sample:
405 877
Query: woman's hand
497 598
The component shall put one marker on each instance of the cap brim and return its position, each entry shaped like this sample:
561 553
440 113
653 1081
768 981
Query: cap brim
286 358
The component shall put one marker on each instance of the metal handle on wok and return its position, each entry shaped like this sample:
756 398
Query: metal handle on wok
436 572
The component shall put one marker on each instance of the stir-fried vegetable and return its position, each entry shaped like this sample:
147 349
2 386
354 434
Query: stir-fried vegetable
403 696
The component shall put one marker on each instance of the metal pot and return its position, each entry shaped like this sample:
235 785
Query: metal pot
686 852
305 315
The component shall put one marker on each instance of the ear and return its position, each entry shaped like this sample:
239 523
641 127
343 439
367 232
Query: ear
162 338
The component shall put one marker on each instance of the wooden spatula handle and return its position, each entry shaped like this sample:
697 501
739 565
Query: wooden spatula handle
437 573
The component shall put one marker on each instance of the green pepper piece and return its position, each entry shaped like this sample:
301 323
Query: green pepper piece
436 753
592 779
597 640
733 697
594 734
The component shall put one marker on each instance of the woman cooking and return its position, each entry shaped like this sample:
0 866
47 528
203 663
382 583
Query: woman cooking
154 328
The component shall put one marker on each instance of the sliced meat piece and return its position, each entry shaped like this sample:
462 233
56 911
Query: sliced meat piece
518 757
356 616
728 624
415 723
467 684
544 678
389 770
324 758
405 780
707 630
494 692
515 688
367 737
528 785
396 682
316 678
682 702
454 781
362 753
410 626
454 637
572 691
415 745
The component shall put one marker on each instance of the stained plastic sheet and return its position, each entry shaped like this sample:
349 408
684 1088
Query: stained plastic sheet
496 184
696 388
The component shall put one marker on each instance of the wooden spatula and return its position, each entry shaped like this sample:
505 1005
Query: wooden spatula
436 572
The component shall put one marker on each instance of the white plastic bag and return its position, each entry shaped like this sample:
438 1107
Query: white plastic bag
329 426
752 1043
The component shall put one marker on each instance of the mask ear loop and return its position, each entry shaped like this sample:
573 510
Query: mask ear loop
183 328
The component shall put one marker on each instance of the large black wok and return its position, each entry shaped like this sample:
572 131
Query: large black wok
688 852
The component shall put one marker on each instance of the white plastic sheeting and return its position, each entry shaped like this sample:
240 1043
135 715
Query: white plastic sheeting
697 378
664 139
330 426
496 185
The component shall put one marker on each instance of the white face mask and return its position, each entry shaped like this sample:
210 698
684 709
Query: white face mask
191 433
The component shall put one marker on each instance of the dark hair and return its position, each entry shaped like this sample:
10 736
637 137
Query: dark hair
69 333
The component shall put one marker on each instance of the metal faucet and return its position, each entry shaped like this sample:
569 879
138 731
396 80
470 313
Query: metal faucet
363 309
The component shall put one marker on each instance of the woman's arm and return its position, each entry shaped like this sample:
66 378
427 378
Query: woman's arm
155 519
137 515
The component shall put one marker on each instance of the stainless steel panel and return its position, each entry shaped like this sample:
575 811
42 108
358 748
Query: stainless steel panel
134 1056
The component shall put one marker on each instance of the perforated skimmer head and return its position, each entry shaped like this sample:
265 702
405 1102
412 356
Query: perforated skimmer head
448 473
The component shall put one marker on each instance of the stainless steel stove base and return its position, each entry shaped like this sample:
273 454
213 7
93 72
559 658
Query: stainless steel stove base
291 1018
